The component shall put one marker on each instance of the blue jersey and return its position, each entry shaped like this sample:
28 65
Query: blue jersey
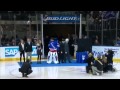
53 45
58 45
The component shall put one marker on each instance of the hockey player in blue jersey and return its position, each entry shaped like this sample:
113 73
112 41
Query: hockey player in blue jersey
53 48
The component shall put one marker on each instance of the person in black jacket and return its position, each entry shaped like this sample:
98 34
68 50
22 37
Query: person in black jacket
26 69
62 52
97 66
28 49
109 56
67 51
71 46
90 61
39 48
22 49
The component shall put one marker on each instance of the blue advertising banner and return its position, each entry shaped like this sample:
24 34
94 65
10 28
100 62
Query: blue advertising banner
61 19
14 51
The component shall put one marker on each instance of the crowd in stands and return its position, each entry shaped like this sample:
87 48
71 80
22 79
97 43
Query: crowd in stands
96 40
94 24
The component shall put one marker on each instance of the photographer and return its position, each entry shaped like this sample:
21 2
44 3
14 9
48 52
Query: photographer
90 61
109 56
26 69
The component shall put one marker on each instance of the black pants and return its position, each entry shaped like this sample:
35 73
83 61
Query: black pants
88 68
105 68
22 53
39 57
67 57
25 73
62 57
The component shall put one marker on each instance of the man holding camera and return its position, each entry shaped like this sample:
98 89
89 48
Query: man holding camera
109 56
26 69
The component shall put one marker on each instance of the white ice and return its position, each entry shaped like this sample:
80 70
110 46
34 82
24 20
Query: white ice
9 70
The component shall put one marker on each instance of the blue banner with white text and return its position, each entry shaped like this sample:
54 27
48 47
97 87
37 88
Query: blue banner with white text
61 19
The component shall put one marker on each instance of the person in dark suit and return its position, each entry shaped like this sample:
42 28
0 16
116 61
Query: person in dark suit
71 46
39 48
26 68
28 49
62 52
67 52
22 50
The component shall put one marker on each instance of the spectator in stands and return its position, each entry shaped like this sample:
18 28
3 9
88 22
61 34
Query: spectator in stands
17 40
25 39
11 38
13 43
96 42
118 41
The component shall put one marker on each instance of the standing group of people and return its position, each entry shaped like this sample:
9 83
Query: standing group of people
27 47
58 51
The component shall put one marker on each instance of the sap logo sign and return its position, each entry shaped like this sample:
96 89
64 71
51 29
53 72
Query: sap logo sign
10 52
34 52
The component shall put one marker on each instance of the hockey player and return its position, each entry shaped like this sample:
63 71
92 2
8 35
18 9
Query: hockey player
52 54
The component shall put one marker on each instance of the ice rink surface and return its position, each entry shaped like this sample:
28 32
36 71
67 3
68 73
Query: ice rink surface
9 70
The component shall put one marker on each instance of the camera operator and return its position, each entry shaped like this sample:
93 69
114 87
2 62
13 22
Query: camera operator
90 61
109 56
26 68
